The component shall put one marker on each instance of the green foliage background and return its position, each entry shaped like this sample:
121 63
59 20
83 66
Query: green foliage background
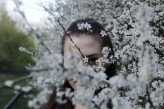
11 38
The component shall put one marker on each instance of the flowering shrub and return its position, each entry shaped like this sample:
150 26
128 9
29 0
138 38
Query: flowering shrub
136 29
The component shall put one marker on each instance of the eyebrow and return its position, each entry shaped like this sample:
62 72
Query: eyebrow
92 55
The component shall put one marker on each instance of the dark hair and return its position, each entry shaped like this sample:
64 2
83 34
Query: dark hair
110 71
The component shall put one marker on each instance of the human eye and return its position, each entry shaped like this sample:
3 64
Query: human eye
92 60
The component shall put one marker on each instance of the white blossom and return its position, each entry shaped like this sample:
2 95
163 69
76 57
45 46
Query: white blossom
80 26
17 87
25 50
85 59
133 27
103 33
9 83
26 88
83 26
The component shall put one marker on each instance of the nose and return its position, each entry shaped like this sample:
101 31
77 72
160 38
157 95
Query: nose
80 64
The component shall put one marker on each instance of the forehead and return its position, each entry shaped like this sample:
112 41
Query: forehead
88 44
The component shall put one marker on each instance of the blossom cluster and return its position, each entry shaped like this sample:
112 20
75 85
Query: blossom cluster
83 26
135 28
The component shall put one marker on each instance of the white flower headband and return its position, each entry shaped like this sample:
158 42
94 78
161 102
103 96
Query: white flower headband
87 26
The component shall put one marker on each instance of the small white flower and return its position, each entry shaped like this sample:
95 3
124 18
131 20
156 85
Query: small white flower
17 87
85 59
106 50
22 49
25 50
80 26
87 26
8 83
26 88
32 103
103 33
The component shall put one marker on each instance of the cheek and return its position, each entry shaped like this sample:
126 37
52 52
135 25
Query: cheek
66 52
72 84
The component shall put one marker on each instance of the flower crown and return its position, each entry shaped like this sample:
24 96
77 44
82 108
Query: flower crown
88 27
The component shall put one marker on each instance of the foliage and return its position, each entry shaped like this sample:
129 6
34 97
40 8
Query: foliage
6 93
11 38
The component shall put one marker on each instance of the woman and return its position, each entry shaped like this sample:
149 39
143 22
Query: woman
90 37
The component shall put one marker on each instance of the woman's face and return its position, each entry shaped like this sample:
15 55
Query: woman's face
90 46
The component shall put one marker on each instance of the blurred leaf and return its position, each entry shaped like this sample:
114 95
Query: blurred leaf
11 38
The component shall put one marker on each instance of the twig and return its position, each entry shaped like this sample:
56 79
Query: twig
135 2
12 100
157 50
